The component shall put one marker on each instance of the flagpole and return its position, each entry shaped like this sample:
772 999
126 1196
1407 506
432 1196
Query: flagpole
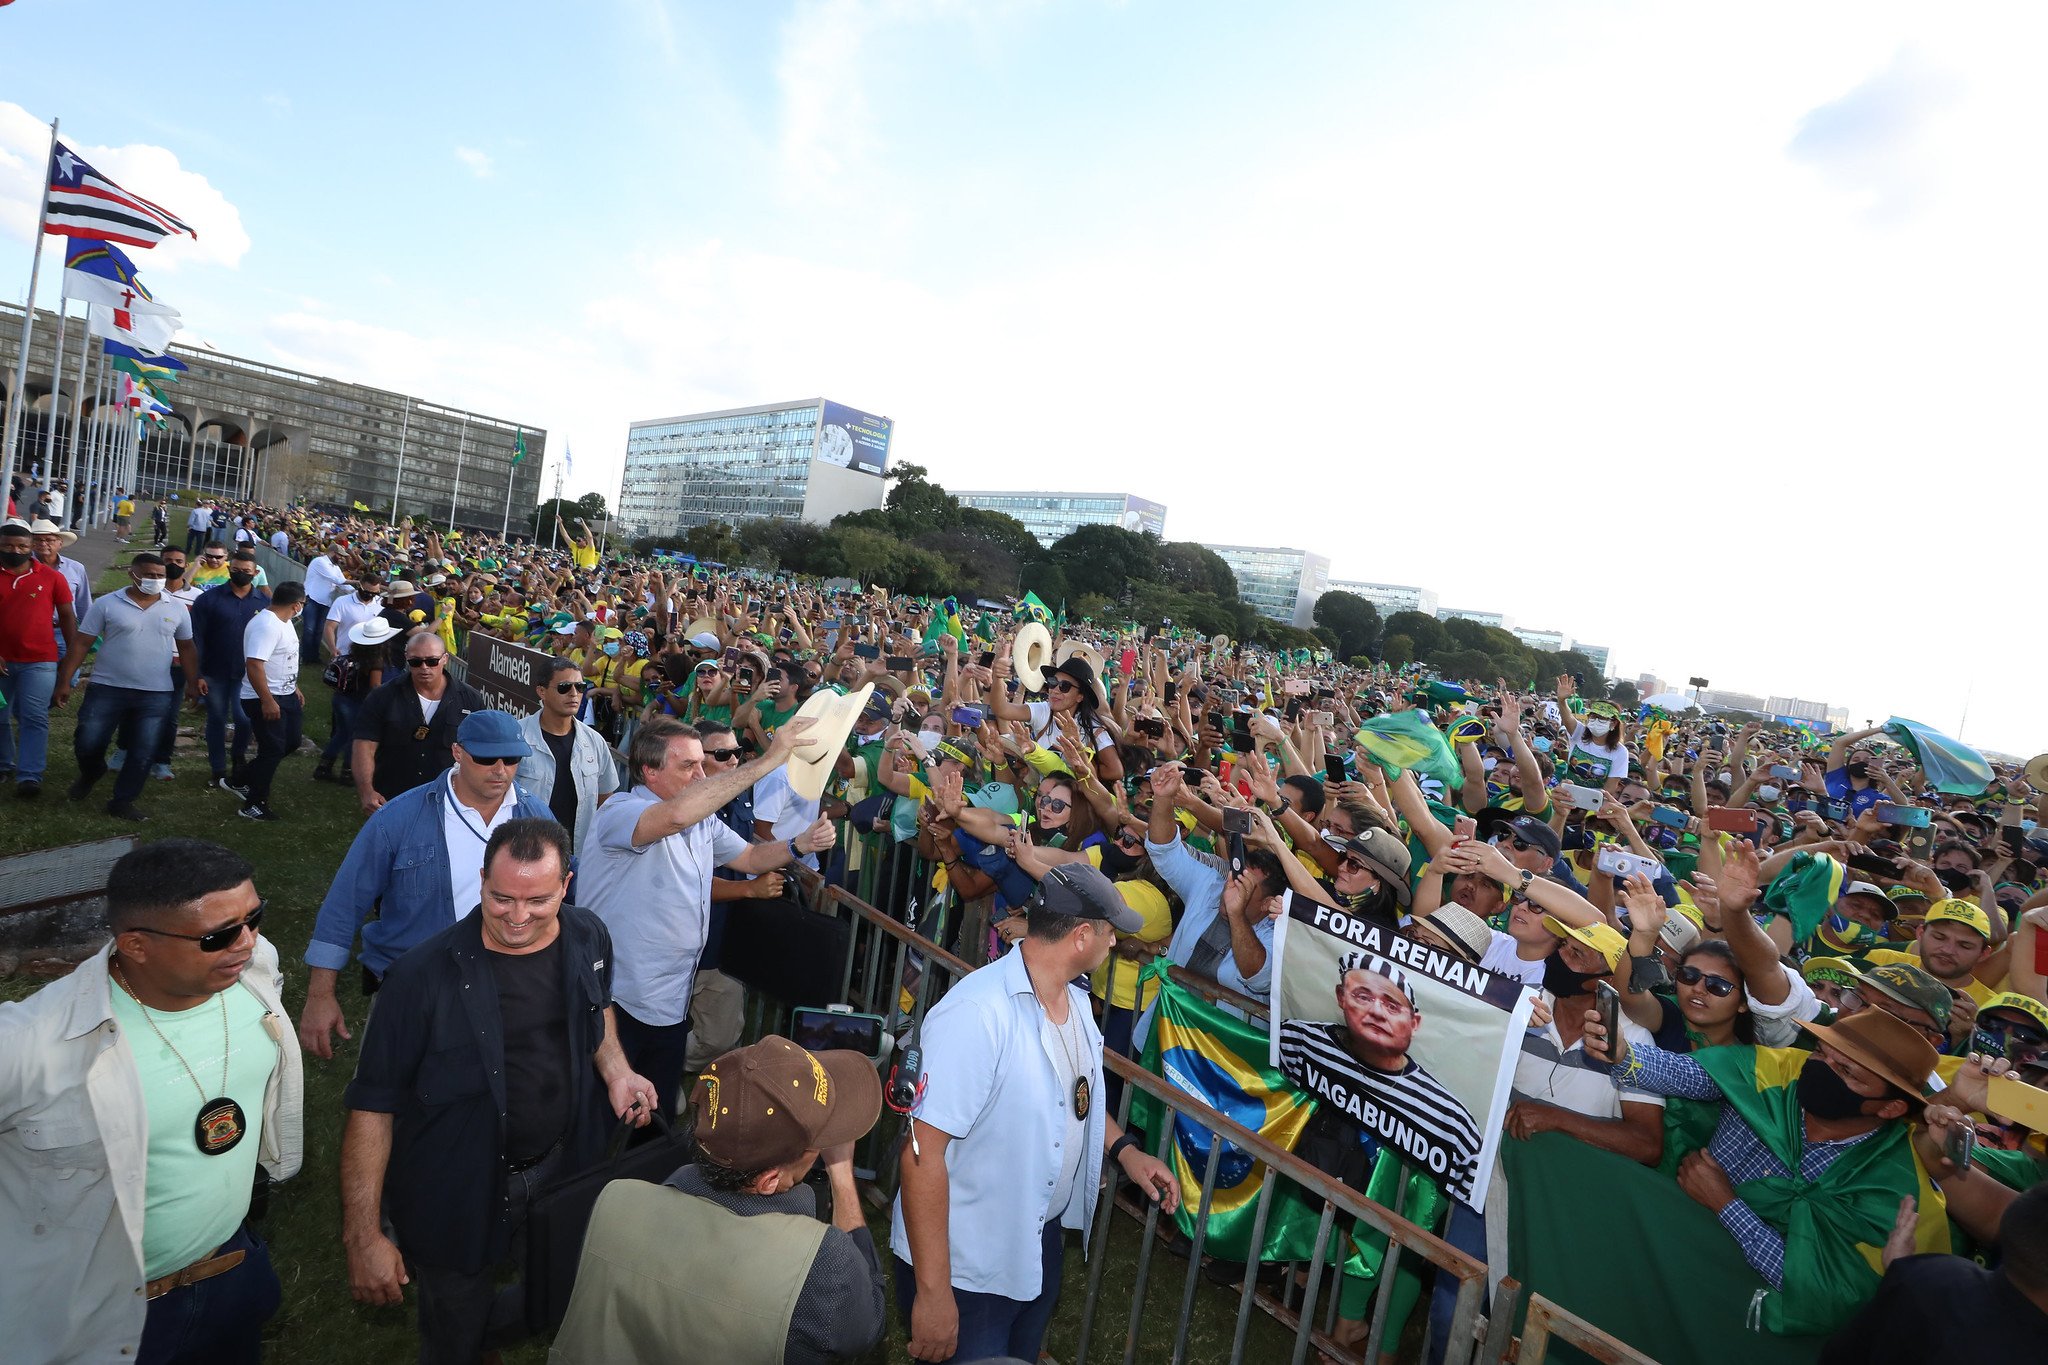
11 426
56 387
77 415
555 530
460 437
404 425
511 477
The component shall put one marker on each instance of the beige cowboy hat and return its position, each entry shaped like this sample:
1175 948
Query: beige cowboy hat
810 766
43 526
2036 770
374 631
1088 654
1030 653
701 625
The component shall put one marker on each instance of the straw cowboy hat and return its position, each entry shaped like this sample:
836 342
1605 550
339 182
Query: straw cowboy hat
43 526
374 631
810 766
1030 654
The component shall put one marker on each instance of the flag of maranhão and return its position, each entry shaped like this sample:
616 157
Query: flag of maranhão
84 203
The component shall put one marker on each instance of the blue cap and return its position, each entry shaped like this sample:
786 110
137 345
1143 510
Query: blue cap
491 734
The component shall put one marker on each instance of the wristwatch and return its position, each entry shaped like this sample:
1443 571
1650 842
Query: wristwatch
795 854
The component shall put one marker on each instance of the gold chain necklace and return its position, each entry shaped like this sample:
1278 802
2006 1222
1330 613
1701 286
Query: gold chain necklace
221 1122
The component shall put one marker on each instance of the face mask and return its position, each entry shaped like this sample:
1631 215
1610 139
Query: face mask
13 559
611 648
173 572
1599 729
241 580
1767 793
1825 1095
1859 769
149 587
1561 981
1116 862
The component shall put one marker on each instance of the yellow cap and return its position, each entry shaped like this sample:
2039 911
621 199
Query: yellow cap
1603 939
1961 912
2025 1004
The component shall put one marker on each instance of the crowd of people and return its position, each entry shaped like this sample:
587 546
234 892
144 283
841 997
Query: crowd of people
1830 973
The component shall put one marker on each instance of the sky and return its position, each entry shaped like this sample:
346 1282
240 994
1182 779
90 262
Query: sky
1706 333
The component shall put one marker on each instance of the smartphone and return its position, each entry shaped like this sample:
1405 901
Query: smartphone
1619 862
1831 808
834 1030
1731 820
1241 732
867 651
1874 865
901 663
970 716
1785 771
1670 815
1607 1000
1911 817
1326 719
1335 771
1236 824
1960 1145
987 660
1580 798
1172 690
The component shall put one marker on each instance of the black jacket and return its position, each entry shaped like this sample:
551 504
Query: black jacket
412 750
433 1056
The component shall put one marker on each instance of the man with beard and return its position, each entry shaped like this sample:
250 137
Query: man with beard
1809 1159
1362 1065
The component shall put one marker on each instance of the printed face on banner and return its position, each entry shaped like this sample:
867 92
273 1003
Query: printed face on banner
1413 1045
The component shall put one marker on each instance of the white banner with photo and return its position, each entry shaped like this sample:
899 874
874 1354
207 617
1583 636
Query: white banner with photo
1417 1046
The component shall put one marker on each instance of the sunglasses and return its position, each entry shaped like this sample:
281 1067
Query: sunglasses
1514 841
722 755
1052 803
1719 986
493 762
1128 837
434 662
1065 686
1354 863
566 688
219 940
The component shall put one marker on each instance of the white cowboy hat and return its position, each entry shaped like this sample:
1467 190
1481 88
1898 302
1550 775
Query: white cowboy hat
374 631
1030 652
43 526
2036 771
810 766
1090 655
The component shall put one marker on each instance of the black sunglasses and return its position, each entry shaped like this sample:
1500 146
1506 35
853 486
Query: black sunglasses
425 662
1064 686
723 755
1052 803
566 688
493 762
219 940
1721 986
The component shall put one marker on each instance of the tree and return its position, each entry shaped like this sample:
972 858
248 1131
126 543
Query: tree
714 543
1425 633
1623 694
1355 621
1105 559
1195 568
1398 651
590 507
915 497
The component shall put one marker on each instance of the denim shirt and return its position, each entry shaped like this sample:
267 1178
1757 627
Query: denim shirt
1198 881
397 866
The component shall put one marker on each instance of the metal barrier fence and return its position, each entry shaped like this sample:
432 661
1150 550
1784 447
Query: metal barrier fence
897 966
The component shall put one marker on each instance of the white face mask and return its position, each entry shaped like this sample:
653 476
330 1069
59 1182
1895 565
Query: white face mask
1767 793
149 587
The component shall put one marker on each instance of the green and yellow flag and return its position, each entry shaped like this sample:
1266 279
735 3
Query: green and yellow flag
1805 891
1406 739
1029 608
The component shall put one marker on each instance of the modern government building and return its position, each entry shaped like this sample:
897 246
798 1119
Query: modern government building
1279 583
1051 515
807 460
244 429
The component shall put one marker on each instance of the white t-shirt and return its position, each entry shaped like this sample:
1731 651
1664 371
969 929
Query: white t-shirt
348 611
1606 760
1500 957
274 641
466 833
428 706
1044 731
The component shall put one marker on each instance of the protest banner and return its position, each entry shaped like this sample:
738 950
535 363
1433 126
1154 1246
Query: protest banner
1415 1046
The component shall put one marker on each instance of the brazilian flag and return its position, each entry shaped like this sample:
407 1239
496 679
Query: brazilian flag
1221 1060
1951 765
1805 890
1029 608
1406 739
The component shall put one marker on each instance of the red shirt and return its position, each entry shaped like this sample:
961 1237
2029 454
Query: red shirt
28 606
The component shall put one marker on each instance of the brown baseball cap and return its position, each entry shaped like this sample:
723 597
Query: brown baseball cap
766 1104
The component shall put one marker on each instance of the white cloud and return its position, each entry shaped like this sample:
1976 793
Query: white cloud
150 171
479 163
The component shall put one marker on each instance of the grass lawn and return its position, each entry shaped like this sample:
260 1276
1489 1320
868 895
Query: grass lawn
319 1324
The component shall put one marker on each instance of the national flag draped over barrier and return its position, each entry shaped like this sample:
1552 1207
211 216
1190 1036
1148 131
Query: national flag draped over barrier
1221 1060
1951 765
84 203
1406 739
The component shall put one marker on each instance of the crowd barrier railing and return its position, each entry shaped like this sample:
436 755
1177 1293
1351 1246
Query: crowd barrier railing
897 964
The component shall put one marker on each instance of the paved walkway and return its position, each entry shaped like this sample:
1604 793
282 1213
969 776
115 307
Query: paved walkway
98 550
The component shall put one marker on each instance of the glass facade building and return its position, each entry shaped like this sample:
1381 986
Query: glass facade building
736 465
1279 583
1051 515
1389 597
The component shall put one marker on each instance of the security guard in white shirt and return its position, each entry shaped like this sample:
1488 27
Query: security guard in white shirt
1010 1133
138 1096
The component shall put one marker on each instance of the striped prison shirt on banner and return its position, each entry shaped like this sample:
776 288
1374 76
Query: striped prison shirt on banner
84 203
1410 1112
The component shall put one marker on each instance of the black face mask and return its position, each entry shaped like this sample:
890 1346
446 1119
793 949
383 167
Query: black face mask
173 572
1858 769
13 559
1562 982
241 579
1825 1095
1116 862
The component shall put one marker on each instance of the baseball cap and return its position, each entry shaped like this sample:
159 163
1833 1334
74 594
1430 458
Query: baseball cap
764 1105
1909 986
1530 830
1865 889
2012 1000
705 639
491 734
1837 971
1603 939
1082 891
1961 912
960 748
1679 934
1386 855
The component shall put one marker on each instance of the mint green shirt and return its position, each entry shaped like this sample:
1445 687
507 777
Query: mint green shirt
194 1202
